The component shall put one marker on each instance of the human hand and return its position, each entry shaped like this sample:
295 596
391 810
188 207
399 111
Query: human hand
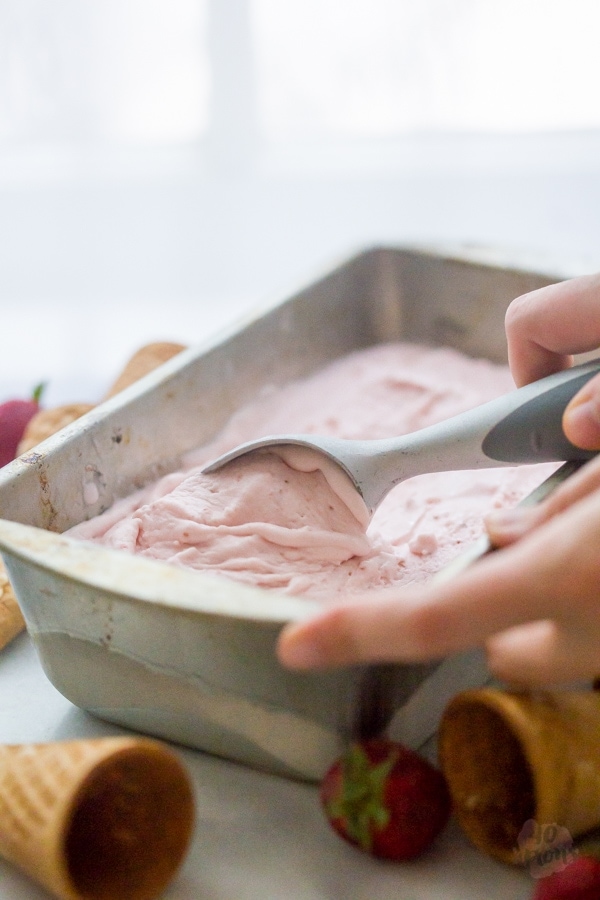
534 606
543 329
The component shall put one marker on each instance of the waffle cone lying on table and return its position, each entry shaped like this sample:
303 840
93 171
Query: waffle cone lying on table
46 423
97 818
11 618
515 758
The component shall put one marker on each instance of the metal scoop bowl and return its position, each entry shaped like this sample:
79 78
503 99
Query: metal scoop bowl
522 426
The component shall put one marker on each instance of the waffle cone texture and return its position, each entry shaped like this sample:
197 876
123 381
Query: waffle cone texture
512 758
95 819
11 618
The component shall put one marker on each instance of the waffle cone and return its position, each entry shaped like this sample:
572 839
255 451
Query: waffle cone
11 618
95 819
516 759
145 360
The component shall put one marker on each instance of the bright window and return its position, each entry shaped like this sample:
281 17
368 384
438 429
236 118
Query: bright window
112 71
385 67
170 72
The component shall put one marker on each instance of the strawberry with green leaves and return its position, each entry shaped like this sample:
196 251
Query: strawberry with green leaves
14 416
385 799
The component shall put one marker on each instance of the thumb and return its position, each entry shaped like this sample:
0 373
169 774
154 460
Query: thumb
581 418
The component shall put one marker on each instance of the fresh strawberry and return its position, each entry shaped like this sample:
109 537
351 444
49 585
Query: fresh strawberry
580 880
14 416
385 799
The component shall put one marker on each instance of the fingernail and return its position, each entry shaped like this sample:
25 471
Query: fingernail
300 654
581 423
507 518
509 524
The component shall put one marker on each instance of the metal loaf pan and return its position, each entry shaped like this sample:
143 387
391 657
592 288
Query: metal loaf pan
187 657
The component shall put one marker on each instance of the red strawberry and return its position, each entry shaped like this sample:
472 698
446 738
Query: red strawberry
385 799
580 880
14 416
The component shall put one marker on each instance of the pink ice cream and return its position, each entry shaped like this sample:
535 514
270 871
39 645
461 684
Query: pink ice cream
282 523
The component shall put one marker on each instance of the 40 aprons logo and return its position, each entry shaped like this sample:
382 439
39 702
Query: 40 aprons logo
544 849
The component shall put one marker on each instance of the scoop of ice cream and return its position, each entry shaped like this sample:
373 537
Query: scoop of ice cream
305 459
258 520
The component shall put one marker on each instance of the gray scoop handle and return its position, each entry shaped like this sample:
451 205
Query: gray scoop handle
522 426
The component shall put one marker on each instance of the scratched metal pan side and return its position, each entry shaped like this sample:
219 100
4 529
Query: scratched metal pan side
113 636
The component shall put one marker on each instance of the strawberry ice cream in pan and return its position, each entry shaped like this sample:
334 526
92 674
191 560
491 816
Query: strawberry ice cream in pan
264 521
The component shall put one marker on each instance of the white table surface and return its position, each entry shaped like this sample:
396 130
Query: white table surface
257 836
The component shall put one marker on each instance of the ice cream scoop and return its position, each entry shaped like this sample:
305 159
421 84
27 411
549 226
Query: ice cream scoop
522 426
